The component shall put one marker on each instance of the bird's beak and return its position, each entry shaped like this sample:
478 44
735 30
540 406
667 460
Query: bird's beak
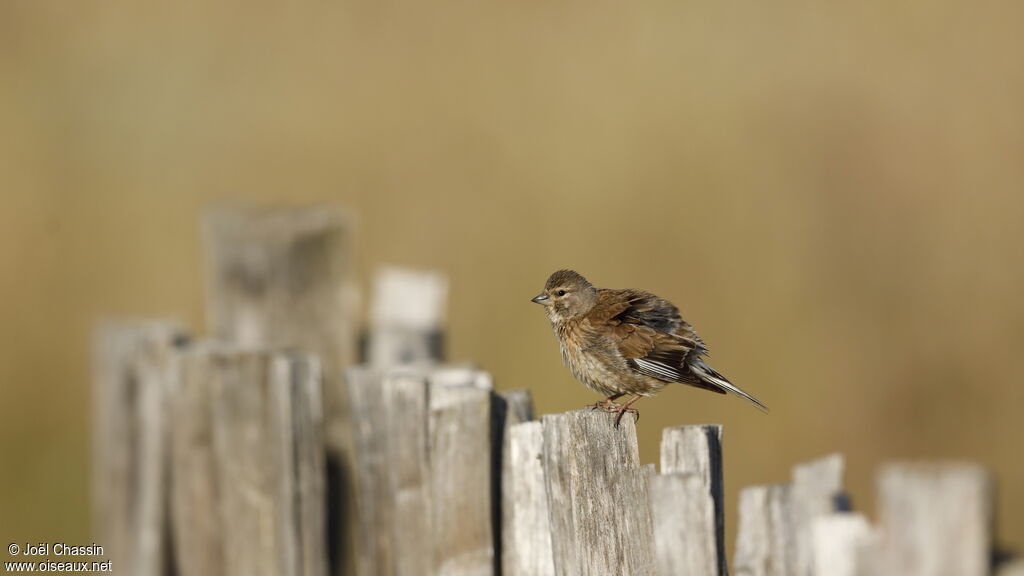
541 298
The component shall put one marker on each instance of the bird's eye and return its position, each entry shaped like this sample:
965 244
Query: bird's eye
560 293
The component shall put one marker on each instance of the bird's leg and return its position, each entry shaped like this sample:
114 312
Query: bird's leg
608 404
626 408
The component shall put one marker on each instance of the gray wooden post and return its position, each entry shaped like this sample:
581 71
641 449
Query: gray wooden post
249 465
764 541
136 372
426 470
526 528
374 505
461 474
817 486
684 525
837 541
597 495
512 407
775 521
407 398
697 450
936 519
284 278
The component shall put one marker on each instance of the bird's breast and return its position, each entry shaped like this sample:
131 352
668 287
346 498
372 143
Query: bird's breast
588 360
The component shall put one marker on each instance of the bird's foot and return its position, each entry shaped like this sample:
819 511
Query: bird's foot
606 405
622 410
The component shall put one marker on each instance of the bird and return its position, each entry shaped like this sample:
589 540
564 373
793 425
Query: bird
626 343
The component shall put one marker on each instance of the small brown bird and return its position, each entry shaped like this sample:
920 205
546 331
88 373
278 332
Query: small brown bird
626 342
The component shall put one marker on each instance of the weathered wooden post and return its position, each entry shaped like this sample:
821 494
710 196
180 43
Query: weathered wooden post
526 529
837 542
462 468
936 519
687 502
284 278
597 495
426 454
764 544
817 490
512 407
248 457
136 376
774 537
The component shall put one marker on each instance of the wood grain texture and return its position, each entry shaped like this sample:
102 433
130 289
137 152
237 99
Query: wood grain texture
372 487
697 450
764 541
407 452
284 278
427 469
684 525
249 464
136 375
597 496
526 529
198 526
936 519
461 468
513 407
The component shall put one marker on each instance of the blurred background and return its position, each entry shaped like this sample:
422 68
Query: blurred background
832 194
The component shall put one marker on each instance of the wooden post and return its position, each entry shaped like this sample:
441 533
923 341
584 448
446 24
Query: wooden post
836 542
195 496
597 495
684 525
511 407
817 486
393 484
370 474
406 318
249 465
526 528
426 469
764 541
407 399
696 450
775 521
461 474
936 519
136 376
284 278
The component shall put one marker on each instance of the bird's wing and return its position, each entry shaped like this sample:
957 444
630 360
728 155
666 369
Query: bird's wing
650 335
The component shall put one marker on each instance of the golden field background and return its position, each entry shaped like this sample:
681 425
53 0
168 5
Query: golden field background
831 192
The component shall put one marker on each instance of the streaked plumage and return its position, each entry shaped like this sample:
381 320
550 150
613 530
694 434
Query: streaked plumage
626 342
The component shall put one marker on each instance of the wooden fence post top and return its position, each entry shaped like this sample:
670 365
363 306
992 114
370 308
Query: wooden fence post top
597 495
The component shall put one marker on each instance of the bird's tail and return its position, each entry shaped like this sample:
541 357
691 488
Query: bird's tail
709 375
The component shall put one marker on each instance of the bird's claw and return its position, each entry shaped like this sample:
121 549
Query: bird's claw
605 405
623 410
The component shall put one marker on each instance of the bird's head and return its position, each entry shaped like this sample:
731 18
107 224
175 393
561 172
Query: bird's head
566 295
